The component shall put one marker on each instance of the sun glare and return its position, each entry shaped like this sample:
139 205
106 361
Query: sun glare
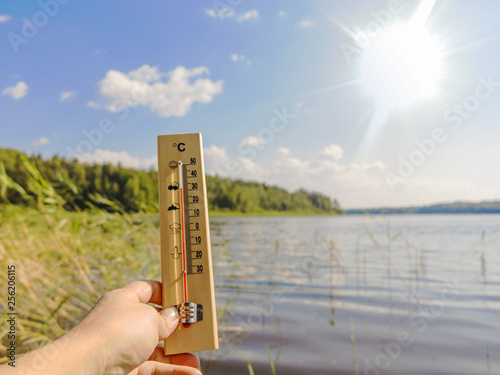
401 65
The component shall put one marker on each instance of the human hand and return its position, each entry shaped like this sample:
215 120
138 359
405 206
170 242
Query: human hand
129 330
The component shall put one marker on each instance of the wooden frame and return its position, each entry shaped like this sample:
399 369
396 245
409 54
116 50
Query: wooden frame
186 272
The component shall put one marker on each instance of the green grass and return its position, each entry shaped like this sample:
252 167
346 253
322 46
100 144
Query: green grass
250 368
65 261
271 362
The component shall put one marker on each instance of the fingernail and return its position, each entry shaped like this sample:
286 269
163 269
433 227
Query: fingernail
171 314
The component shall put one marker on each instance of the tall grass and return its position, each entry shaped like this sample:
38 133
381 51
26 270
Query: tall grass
65 261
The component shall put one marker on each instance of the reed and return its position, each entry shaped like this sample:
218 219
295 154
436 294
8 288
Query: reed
250 368
65 261
271 362
353 341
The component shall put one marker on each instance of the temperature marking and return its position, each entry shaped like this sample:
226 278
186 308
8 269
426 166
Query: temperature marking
183 232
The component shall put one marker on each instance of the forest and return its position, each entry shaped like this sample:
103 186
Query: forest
32 181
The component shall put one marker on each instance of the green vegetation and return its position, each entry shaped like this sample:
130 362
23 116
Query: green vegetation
486 207
38 183
240 197
64 261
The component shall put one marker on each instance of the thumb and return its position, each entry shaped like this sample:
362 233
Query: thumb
170 320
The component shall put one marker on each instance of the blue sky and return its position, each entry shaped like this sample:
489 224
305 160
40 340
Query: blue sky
332 96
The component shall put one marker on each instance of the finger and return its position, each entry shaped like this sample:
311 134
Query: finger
185 359
168 322
144 291
158 368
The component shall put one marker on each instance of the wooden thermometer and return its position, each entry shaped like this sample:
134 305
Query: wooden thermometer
186 259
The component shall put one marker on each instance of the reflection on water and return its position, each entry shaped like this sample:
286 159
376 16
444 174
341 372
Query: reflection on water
395 295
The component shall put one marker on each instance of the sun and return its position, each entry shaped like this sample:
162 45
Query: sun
401 66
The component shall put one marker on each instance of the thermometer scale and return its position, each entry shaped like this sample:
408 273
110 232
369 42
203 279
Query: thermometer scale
186 259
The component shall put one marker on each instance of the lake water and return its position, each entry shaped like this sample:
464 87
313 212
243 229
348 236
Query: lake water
389 294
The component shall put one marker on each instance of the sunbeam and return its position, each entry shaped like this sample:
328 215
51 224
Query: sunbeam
401 65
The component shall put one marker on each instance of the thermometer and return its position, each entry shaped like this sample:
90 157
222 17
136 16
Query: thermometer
186 259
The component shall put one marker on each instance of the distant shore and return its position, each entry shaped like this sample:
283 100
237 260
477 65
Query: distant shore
485 207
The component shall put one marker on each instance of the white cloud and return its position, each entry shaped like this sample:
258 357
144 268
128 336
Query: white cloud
123 158
323 172
67 95
283 151
285 160
235 57
17 91
4 18
170 94
250 15
228 12
222 13
251 169
366 166
218 162
40 142
281 13
215 157
333 151
252 141
211 13
306 22
356 184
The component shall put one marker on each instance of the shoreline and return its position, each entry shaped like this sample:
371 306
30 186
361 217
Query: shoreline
213 214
